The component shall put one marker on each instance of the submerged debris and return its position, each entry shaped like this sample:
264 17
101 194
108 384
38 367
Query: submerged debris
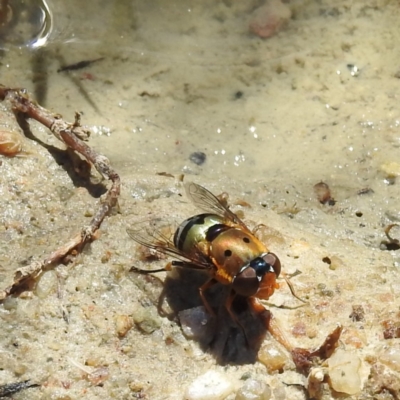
323 193
269 19
12 388
392 239
79 65
198 157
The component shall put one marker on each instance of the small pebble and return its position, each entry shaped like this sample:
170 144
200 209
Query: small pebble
344 372
88 213
196 323
315 382
238 95
323 193
10 303
354 70
269 18
198 157
64 193
254 390
272 357
46 285
210 386
390 169
146 320
10 143
123 324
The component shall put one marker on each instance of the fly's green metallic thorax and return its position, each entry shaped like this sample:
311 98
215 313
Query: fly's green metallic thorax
194 231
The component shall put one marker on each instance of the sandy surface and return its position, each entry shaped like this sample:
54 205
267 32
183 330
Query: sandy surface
317 100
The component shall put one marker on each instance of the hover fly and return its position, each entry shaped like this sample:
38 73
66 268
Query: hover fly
220 243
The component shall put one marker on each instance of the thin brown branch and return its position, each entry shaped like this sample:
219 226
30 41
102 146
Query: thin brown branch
71 134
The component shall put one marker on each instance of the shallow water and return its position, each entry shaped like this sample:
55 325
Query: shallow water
317 100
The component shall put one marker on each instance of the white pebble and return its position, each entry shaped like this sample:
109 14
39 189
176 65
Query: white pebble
196 323
46 285
272 357
345 372
254 390
391 169
210 386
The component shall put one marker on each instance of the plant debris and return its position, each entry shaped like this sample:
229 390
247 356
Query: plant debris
73 135
79 65
304 359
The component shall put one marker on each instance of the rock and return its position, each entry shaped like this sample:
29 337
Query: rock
254 390
345 372
210 386
269 18
272 357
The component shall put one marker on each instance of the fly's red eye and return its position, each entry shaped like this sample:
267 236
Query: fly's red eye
273 260
246 283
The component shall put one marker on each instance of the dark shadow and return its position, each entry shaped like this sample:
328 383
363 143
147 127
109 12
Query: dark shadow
39 66
77 169
230 342
77 82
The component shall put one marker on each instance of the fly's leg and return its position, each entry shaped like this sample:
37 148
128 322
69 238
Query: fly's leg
202 289
184 264
151 271
228 306
168 267
270 322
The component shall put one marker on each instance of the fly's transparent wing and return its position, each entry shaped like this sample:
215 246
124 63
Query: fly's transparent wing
206 201
158 235
154 234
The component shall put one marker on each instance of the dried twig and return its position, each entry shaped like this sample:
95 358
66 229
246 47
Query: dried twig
72 134
79 65
305 359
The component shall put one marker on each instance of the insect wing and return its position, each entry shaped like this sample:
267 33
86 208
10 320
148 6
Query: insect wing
206 201
153 234
158 235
